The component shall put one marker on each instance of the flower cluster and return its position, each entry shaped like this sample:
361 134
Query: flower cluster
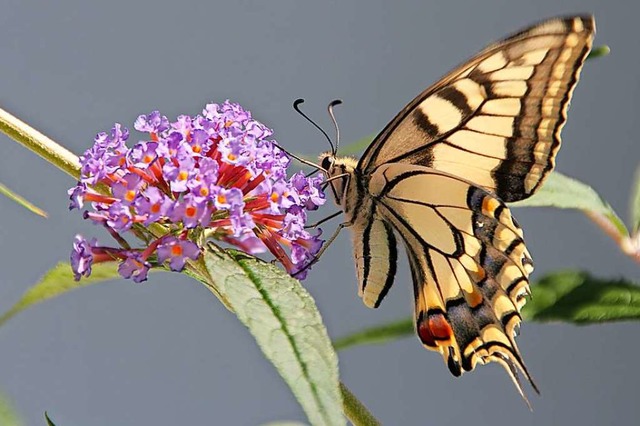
215 175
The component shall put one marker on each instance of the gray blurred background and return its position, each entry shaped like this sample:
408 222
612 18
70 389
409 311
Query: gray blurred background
166 352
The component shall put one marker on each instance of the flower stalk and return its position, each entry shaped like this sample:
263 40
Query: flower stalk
35 141
355 410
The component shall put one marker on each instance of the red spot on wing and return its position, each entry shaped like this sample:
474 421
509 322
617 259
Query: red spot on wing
434 328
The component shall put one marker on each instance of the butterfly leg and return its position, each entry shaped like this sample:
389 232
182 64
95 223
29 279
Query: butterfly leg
324 247
323 220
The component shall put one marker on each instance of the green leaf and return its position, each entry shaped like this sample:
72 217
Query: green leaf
634 203
563 192
379 334
49 422
8 414
284 320
598 52
57 281
577 297
23 202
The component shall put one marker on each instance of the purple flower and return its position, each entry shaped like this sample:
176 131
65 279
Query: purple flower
200 142
242 223
282 196
143 154
135 268
151 123
153 204
271 160
228 199
293 223
183 125
173 147
178 175
234 152
311 195
213 174
76 195
81 257
126 189
120 217
304 251
191 210
177 252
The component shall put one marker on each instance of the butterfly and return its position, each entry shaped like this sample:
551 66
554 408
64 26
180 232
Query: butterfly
437 179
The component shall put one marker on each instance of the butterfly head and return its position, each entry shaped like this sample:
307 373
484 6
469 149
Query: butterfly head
339 172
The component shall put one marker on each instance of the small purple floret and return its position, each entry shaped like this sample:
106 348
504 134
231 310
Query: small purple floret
81 257
177 252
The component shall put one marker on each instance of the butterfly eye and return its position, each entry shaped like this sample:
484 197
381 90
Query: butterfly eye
327 162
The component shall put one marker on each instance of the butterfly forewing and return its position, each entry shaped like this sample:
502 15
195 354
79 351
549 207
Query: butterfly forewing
495 120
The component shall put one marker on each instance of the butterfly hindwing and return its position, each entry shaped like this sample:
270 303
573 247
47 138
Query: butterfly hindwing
495 120
375 255
468 260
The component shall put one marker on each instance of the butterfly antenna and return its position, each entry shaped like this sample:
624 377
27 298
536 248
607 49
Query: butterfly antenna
332 104
296 106
300 159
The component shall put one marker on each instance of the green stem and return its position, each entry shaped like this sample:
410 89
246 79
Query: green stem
35 141
629 245
378 334
355 410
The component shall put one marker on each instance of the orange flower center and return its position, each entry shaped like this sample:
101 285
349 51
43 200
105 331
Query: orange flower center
176 250
190 211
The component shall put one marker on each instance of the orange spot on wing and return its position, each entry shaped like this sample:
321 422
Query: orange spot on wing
473 299
489 205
